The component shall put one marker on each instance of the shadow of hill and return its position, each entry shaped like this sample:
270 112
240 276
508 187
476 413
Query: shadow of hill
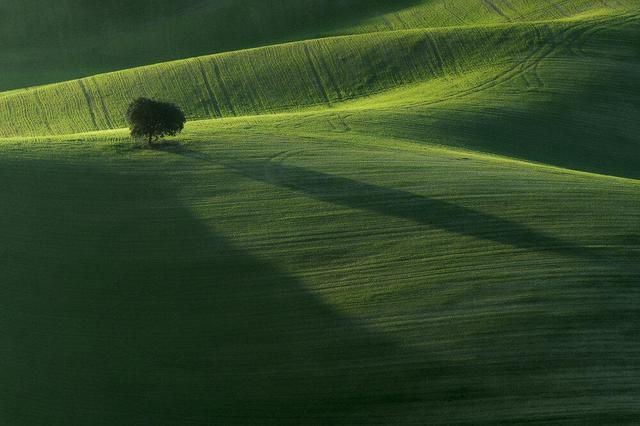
97 37
120 307
535 342
421 209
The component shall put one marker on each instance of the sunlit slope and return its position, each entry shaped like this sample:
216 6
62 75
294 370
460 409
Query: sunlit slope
345 233
44 42
562 93
263 278
271 79
573 105
447 13
320 72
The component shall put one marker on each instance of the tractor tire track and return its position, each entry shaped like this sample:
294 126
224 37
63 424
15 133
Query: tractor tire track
338 123
316 75
492 6
560 10
515 10
330 76
387 23
105 110
440 63
506 75
533 59
536 76
453 14
212 97
620 21
401 20
90 104
223 88
42 114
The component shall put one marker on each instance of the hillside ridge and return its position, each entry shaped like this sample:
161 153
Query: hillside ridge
46 42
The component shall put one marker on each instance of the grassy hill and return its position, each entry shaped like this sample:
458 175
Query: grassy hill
429 215
255 277
46 42
441 85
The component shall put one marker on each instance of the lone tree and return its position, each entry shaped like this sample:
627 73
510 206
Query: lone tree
152 120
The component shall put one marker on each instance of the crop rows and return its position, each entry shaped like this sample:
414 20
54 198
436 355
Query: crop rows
274 79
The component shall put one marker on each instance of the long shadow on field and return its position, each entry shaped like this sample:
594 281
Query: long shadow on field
419 208
120 307
537 343
397 203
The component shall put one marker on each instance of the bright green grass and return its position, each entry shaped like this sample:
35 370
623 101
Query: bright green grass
560 93
268 80
254 277
325 72
44 41
437 224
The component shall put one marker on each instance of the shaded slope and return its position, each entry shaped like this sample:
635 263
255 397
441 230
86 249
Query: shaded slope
44 42
148 315
330 264
272 279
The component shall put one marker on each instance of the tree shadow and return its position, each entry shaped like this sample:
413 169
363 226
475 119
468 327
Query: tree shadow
120 307
437 213
515 351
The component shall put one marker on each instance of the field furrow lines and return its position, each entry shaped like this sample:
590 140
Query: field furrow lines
90 104
316 75
411 212
491 5
212 97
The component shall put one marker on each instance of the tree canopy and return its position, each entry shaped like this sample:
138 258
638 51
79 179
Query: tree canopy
152 119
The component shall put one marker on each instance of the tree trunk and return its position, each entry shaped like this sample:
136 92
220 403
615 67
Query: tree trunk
150 139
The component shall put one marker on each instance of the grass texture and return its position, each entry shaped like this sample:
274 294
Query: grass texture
46 42
428 215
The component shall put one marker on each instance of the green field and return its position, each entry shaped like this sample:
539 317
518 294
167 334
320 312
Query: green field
380 213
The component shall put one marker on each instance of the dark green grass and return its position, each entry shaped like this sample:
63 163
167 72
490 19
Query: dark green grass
265 280
364 256
138 312
45 42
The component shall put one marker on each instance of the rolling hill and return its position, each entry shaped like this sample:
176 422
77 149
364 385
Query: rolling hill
419 213
46 42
